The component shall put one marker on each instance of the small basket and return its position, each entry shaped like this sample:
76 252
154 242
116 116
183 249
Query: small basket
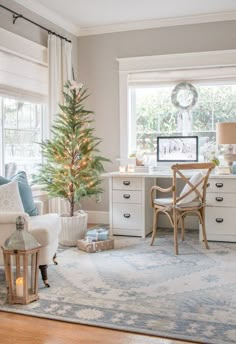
73 228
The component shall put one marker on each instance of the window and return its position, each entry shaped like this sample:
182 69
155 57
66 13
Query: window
154 77
153 114
23 95
21 132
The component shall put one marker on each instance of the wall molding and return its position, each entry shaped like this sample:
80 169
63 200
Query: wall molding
203 59
157 23
50 15
135 25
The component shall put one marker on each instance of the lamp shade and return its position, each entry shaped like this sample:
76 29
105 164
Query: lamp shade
226 133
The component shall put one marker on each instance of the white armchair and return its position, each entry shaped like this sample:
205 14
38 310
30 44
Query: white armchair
45 228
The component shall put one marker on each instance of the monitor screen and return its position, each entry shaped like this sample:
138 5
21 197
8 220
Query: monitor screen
177 148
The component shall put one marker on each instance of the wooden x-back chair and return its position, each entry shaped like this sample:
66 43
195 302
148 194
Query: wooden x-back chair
191 200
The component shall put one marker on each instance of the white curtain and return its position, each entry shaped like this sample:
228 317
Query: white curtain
59 70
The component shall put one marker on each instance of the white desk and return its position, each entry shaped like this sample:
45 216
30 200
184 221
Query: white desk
131 212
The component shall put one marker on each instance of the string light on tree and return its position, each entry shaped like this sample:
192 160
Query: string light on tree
72 155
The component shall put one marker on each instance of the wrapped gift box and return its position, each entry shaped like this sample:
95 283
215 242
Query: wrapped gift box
95 246
97 234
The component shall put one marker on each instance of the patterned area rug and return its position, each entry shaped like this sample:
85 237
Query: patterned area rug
144 289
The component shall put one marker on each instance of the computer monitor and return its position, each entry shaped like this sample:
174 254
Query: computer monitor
177 148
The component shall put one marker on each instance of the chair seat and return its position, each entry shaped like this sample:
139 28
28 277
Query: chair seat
169 201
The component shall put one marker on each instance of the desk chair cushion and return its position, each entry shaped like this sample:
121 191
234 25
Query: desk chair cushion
192 196
165 202
10 200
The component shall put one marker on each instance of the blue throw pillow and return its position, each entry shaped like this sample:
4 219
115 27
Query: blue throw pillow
25 191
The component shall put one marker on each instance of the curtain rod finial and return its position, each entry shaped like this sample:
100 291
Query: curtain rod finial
15 17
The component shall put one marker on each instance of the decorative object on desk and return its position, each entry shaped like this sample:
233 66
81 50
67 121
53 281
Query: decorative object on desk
234 167
122 164
226 135
20 252
210 153
131 164
223 170
72 168
177 148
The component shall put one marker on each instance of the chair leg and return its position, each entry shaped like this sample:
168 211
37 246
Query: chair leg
182 227
154 227
44 274
175 231
54 258
202 220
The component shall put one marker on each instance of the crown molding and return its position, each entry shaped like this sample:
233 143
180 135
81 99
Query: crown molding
49 15
156 23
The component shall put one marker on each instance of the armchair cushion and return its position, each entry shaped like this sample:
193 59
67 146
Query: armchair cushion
10 200
25 191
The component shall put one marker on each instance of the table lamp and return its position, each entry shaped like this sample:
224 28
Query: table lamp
226 135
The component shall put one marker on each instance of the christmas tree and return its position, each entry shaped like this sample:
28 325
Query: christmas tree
72 166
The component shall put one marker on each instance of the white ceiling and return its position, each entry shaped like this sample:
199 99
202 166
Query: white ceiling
83 17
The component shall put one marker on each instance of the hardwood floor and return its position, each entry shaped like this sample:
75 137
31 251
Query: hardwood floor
20 329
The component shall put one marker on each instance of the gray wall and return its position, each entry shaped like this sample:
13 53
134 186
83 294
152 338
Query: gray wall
29 31
98 70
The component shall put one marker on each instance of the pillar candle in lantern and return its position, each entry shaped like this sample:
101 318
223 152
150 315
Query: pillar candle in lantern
20 286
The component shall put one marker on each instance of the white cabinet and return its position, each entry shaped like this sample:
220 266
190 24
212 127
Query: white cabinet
221 209
130 209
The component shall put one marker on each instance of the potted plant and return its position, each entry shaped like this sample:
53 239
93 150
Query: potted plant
72 166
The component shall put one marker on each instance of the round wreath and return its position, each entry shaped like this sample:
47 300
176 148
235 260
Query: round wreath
190 100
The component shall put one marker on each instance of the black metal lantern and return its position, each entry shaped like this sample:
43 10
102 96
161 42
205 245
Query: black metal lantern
21 254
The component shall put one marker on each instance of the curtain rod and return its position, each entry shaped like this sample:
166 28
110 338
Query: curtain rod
17 15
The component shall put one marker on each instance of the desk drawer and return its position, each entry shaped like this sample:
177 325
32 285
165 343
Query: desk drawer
127 216
221 185
127 183
220 220
221 199
127 196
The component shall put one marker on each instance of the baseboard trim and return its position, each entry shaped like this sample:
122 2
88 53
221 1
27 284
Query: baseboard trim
98 216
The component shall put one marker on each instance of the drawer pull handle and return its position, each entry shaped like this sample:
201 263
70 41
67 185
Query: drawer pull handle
219 199
219 219
127 216
219 185
126 182
126 196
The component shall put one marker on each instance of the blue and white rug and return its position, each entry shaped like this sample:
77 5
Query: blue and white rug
144 289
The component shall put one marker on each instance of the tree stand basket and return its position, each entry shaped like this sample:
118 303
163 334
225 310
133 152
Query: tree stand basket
73 228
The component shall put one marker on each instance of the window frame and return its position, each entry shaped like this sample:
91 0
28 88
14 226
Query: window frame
180 66
28 59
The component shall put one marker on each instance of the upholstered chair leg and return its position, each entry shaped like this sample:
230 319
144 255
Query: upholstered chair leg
175 232
154 228
54 258
44 274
